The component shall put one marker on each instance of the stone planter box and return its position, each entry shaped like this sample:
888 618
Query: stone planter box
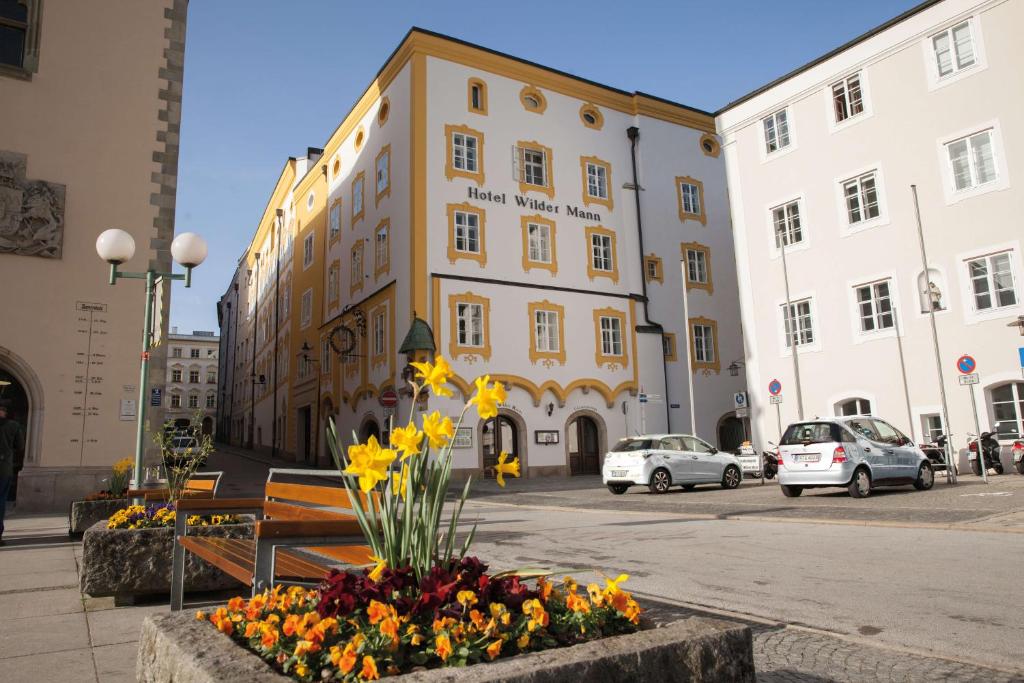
85 513
176 647
131 562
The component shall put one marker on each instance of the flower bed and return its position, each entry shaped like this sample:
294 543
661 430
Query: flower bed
162 515
85 513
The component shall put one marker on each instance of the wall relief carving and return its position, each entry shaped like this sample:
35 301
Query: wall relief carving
31 211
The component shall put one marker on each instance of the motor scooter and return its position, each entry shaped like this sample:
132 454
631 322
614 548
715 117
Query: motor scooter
771 463
936 453
989 451
1018 455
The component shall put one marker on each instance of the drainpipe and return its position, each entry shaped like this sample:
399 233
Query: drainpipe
277 327
234 359
255 332
633 133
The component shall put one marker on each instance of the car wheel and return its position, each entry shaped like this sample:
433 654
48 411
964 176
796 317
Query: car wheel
976 468
998 467
925 477
792 491
618 489
860 485
689 487
731 477
660 481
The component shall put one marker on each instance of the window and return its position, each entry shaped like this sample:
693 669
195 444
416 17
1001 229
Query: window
356 267
533 100
786 221
597 177
193 400
469 317
193 353
176 375
19 37
690 192
360 138
861 198
533 168
548 342
379 335
307 250
175 400
704 345
847 98
211 377
335 220
471 324
971 160
776 131
306 308
854 406
211 401
382 248
992 282
697 262
591 117
611 336
465 157
476 91
539 243
357 198
333 288
668 346
1008 410
384 111
176 352
193 377
954 49
326 358
653 270
874 306
383 174
466 233
931 427
798 323
709 145
310 201
602 261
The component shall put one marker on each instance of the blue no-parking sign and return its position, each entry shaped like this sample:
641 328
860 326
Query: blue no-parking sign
775 387
966 364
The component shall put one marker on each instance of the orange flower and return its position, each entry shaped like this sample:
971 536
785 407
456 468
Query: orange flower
236 604
301 669
494 649
538 616
344 659
596 595
544 587
378 610
369 672
251 628
304 646
292 624
389 627
269 636
524 641
443 647
200 615
577 603
477 619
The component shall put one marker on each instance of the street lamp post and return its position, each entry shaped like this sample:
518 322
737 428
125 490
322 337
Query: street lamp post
116 247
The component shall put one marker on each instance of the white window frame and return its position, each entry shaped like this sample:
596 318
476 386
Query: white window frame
469 319
175 400
865 99
804 242
176 375
971 314
700 261
306 308
936 81
846 228
470 160
381 247
193 353
798 298
382 174
856 323
325 357
1016 393
334 220
607 254
379 333
610 327
597 177
308 250
546 331
357 196
538 241
464 231
193 401
767 155
689 195
1002 179
528 167
703 343
211 401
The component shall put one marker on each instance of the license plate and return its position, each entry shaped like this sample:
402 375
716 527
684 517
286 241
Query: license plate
619 473
808 457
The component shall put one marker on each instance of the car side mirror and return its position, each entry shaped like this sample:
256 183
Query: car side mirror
713 450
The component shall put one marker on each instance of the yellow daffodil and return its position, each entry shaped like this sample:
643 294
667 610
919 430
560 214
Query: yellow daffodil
439 430
503 468
378 570
613 584
407 440
466 598
370 463
399 481
487 397
435 375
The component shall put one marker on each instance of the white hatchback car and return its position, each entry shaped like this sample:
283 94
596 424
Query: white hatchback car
659 461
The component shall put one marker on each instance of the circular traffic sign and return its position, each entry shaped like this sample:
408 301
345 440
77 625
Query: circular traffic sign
966 364
775 387
388 398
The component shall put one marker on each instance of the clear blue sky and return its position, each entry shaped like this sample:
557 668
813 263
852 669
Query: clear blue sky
265 79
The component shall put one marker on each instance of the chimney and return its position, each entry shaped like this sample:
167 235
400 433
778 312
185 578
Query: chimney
174 329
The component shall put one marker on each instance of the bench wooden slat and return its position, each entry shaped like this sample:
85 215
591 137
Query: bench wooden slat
189 504
280 528
276 510
215 554
331 496
237 557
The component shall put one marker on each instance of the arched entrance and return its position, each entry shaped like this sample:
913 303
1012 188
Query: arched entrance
15 398
505 432
208 426
584 443
731 433
369 428
25 392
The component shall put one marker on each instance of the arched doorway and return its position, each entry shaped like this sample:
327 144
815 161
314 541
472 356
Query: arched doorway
501 433
369 428
25 392
208 426
584 444
15 398
731 433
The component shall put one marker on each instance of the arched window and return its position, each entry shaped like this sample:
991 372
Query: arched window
931 290
854 406
1007 403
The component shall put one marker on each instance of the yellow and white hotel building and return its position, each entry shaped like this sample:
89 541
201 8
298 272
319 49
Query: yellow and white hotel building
540 224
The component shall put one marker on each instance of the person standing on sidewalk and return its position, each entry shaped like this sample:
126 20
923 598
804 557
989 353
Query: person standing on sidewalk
12 443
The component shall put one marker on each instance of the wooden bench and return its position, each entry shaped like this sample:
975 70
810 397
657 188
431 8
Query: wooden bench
199 485
290 515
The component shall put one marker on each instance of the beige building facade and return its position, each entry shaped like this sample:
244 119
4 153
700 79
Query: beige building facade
191 383
76 75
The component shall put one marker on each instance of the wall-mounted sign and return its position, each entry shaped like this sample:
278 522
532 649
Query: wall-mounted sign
156 395
463 438
389 398
739 400
127 409
545 436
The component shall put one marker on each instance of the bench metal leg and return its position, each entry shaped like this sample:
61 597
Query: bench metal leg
178 564
263 572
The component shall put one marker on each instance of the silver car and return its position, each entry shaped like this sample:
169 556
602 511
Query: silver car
855 452
659 461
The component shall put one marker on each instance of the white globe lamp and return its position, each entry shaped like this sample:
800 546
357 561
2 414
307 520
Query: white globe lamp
188 249
115 246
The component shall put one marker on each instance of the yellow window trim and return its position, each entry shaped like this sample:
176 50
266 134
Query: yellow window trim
710 145
531 91
483 96
588 198
593 273
709 286
659 273
385 267
454 348
360 137
359 180
335 168
337 235
672 354
684 216
610 361
696 365
596 113
527 263
336 268
386 192
449 166
383 111
356 279
549 357
525 187
453 253
381 358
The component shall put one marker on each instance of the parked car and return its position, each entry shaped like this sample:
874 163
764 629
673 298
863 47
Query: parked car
183 446
660 461
856 452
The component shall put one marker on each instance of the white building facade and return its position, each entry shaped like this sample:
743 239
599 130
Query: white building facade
192 377
823 161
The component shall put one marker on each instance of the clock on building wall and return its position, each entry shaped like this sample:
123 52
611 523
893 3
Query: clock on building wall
343 340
